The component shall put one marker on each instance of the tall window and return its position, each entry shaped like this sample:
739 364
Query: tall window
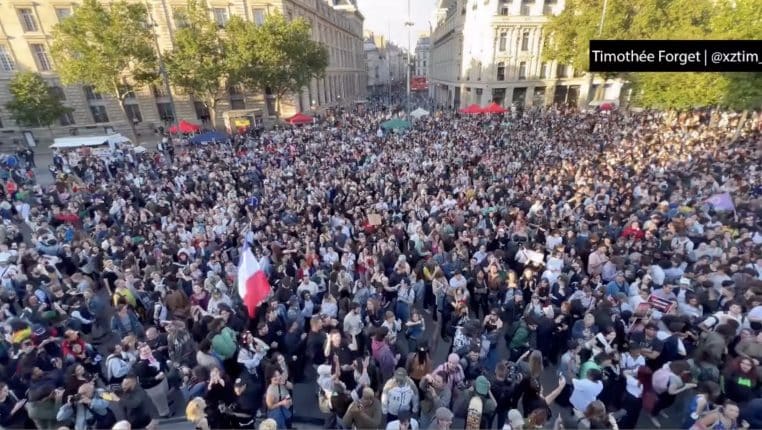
62 13
6 59
28 22
99 113
525 7
66 118
503 41
41 57
259 16
133 112
58 92
202 112
501 71
165 111
91 94
544 71
561 71
220 16
525 41
523 70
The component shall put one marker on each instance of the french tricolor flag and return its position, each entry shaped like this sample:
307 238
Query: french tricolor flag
253 286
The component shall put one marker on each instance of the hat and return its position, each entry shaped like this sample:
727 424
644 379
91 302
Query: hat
400 373
443 414
515 418
224 307
481 385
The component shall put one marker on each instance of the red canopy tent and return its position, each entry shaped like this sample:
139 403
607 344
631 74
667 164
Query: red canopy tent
300 119
472 109
184 127
606 106
494 108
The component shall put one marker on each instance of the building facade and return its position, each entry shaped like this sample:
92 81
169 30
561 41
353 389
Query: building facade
491 50
25 39
422 54
385 64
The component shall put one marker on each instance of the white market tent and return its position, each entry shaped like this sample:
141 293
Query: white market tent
418 113
81 141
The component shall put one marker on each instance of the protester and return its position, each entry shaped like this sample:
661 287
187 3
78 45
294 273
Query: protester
625 243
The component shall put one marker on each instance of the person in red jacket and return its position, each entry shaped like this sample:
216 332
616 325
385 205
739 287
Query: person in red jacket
633 231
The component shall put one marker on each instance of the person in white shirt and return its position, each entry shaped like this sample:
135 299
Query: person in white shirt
458 281
632 359
721 317
632 401
404 421
586 390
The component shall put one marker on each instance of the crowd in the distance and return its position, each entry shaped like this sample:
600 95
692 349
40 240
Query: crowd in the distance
621 248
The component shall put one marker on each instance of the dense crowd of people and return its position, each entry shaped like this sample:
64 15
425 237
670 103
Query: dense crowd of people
621 249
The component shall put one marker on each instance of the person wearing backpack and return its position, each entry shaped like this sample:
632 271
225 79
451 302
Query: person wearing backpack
667 384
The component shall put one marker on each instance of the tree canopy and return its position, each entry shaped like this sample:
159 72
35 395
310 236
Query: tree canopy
34 102
199 62
569 34
279 56
108 47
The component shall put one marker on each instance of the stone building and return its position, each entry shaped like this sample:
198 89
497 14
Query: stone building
491 50
25 39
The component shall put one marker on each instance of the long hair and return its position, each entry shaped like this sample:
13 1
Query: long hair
535 364
596 412
194 411
645 377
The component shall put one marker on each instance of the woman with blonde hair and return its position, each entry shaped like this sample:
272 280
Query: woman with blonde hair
597 418
268 424
195 412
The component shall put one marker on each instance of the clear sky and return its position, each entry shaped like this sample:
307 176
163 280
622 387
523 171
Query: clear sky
388 17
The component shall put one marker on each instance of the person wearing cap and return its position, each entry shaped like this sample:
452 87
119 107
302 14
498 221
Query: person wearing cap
404 421
364 413
442 419
399 393
482 388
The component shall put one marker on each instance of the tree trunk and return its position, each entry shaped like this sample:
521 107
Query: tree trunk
741 122
277 105
212 108
133 130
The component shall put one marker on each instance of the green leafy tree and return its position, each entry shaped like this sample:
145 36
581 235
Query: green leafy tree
278 57
110 48
569 34
199 63
34 102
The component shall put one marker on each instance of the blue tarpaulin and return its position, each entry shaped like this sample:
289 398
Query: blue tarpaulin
209 136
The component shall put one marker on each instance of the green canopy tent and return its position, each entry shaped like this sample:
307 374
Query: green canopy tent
395 124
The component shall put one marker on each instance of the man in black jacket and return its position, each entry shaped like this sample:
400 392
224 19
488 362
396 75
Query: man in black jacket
139 410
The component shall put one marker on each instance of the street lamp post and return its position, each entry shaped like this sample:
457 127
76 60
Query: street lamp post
409 24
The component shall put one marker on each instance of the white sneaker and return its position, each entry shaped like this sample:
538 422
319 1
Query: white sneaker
654 421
